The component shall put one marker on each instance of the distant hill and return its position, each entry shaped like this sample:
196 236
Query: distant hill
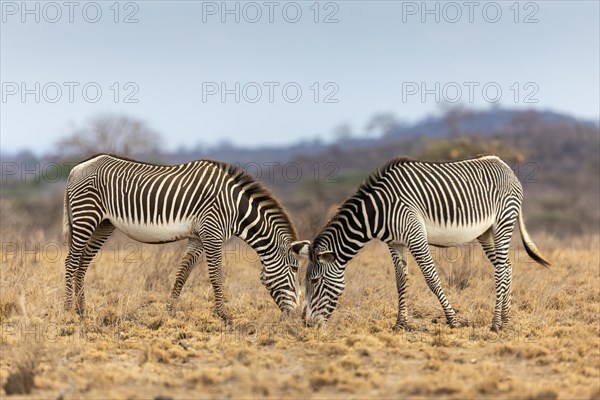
454 123
486 121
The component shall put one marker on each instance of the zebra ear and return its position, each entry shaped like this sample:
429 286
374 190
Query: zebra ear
326 257
300 248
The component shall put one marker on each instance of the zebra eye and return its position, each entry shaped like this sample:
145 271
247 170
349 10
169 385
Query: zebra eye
315 280
294 268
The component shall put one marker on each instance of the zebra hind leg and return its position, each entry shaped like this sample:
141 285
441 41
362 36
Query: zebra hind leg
487 242
420 251
101 234
80 235
400 268
214 258
502 271
71 266
505 317
190 259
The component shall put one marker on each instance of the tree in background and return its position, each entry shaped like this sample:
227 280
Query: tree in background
385 124
455 116
116 134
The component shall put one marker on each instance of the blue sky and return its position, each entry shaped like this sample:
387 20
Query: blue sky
378 57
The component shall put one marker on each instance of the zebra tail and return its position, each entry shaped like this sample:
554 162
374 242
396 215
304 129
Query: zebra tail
530 246
67 219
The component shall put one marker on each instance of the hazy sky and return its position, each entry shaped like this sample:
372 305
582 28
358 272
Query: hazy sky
285 81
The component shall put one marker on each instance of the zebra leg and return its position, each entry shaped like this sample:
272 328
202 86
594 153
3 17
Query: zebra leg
503 270
420 251
399 258
507 298
214 257
70 266
81 231
487 243
192 254
102 232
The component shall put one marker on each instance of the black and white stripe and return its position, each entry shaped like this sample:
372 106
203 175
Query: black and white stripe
205 202
409 204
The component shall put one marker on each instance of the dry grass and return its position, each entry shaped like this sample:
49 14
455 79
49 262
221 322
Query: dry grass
127 346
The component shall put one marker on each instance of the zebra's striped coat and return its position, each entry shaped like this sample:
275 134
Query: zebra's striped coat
205 202
409 204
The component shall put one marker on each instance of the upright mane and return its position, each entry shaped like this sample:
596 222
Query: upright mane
366 186
259 193
374 177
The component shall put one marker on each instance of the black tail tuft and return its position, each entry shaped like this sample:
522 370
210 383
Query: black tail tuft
535 255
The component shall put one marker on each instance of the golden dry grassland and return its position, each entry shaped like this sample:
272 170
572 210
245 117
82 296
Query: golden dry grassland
128 347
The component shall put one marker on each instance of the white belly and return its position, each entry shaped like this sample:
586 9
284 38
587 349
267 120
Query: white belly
155 233
453 235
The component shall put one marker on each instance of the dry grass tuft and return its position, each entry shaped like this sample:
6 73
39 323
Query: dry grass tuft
128 347
21 380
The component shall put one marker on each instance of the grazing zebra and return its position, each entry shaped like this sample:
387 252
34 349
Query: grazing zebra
205 202
409 204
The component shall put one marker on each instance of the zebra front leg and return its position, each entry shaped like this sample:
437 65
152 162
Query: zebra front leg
422 255
400 268
214 258
192 254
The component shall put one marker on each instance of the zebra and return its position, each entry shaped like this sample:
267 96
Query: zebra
204 201
409 204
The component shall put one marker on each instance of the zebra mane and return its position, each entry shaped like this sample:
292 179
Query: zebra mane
365 187
374 177
259 193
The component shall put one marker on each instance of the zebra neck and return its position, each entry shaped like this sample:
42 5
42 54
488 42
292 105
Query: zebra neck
268 247
349 231
262 236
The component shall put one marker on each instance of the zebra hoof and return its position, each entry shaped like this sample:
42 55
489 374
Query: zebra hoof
496 328
403 326
459 323
224 316
286 315
171 310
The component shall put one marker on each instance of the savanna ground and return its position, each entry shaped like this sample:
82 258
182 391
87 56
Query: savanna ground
127 346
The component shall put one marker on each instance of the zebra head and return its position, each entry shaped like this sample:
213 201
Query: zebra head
280 277
324 283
